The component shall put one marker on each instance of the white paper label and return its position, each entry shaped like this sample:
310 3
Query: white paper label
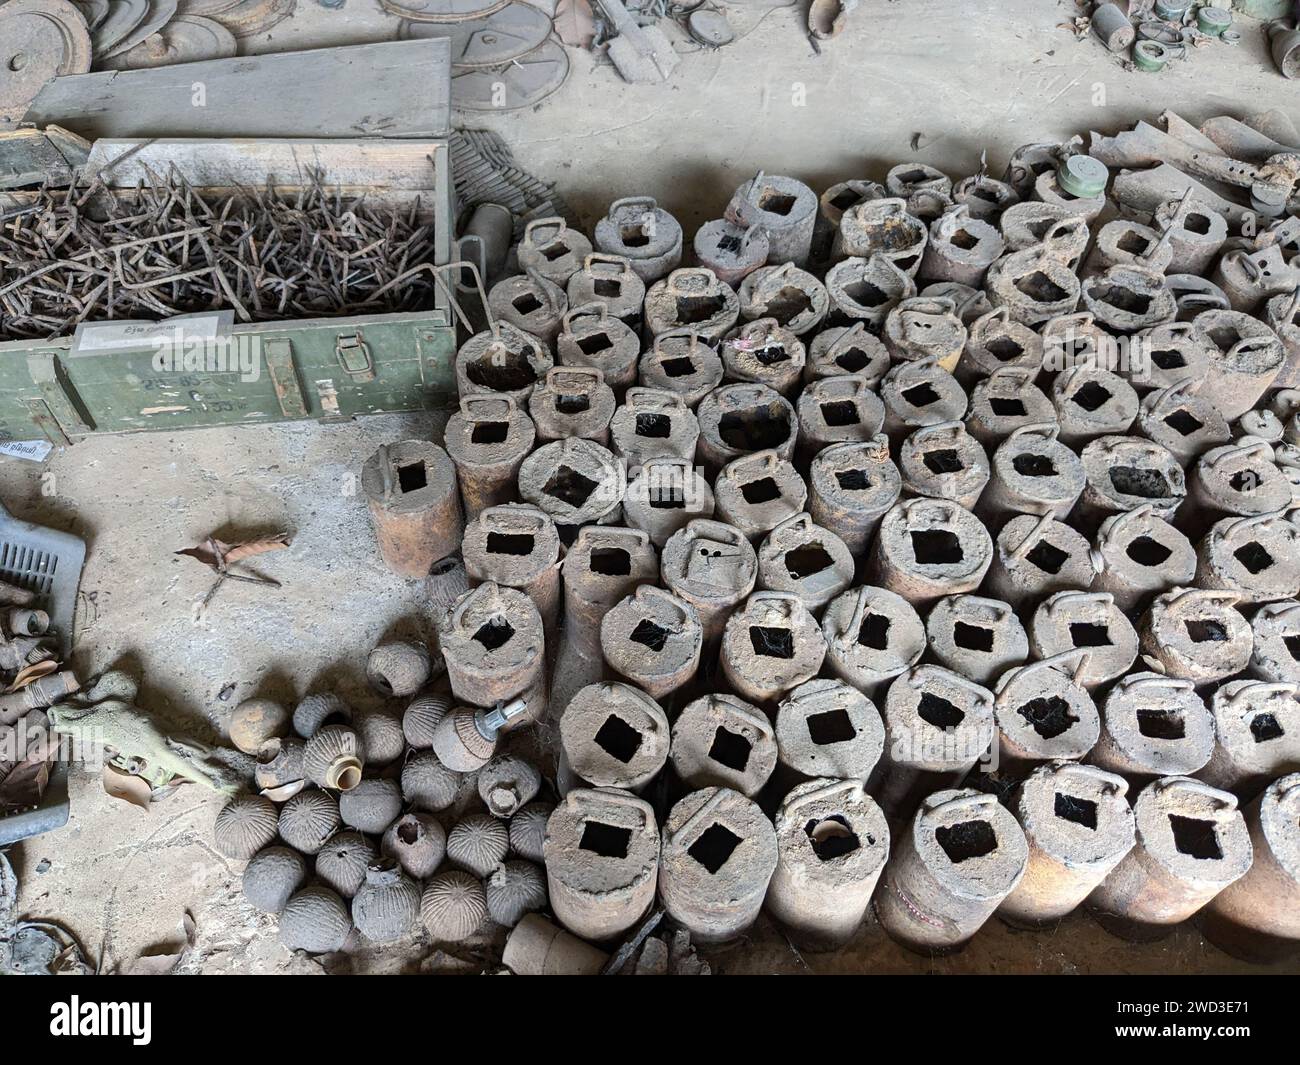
93 337
31 450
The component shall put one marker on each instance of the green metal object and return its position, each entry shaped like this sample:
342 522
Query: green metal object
1150 56
1172 10
1212 21
1083 176
1264 10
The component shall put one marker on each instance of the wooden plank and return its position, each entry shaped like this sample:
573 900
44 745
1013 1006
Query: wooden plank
390 89
33 156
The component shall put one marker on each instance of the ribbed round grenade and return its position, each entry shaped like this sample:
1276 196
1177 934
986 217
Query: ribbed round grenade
314 711
371 806
417 843
459 742
315 920
272 876
308 819
528 830
387 904
245 825
334 757
516 888
422 717
343 861
427 784
255 721
381 736
478 843
506 783
280 762
398 668
454 906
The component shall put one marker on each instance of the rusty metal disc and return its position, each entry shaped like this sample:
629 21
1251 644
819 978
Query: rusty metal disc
504 35
123 17
523 82
442 10
205 8
186 39
39 39
250 17
160 13
93 11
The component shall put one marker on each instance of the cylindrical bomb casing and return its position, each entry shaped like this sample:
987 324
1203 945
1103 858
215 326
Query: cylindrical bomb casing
835 410
771 645
602 861
613 735
605 565
1004 401
1043 715
535 947
1092 402
681 361
1140 556
608 279
555 255
938 725
639 230
1244 359
925 327
977 637
920 393
996 341
1257 733
958 859
517 546
741 419
577 482
1079 825
851 486
1175 352
794 297
785 208
719 740
764 352
803 559
1153 726
1195 634
882 228
1258 916
832 842
1038 556
825 728
872 635
488 439
864 290
654 639
1124 473
1123 242
1183 422
503 362
1192 842
1032 473
847 351
652 423
755 493
1195 235
719 853
961 248
590 336
1276 628
664 495
984 196
1235 480
691 297
731 251
929 548
411 490
1257 557
1087 621
572 401
944 461
713 567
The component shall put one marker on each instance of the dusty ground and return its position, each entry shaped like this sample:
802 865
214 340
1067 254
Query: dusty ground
966 77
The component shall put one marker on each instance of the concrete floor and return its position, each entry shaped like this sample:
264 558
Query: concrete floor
965 77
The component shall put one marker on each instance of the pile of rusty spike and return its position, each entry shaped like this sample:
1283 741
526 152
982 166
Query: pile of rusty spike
93 253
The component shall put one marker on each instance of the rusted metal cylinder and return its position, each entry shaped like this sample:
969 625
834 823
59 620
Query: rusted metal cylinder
713 567
793 297
609 279
927 190
764 352
976 637
1185 423
721 741
636 228
833 203
652 423
1037 284
803 559
590 336
958 859
602 861
1196 233
1195 634
1027 162
1089 622
740 419
944 461
755 493
1032 473
665 494
577 482
938 725
1175 352
731 251
493 642
517 546
832 842
920 393
535 947
552 250
970 304
1123 242
1257 734
882 227
1153 726
1192 842
1125 473
604 566
411 490
929 548
1079 825
1036 557
872 635
530 303
1235 480
785 208
1048 188
1092 402
654 639
865 290
680 361
719 853
985 197
1255 557
613 735
925 327
691 297
771 645
1276 629
851 486
1043 714
1245 358
961 248
1139 555
847 351
488 439
1258 917
572 401
825 728
996 341
1005 401
505 361
837 410
1024 225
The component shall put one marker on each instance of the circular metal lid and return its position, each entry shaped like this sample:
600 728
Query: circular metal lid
1213 20
39 39
159 14
250 17
514 30
442 10
1149 55
1083 176
123 17
186 39
93 11
522 82
206 7
710 28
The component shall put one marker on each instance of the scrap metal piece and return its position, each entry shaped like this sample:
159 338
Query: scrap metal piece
572 401
783 207
1088 621
710 28
123 17
794 297
42 39
590 337
614 735
442 10
641 54
719 740
1111 24
1138 555
1036 557
770 645
691 297
486 40
414 502
755 493
185 39
653 424
713 567
872 635
1195 634
638 230
493 642
826 728
487 438
945 462
524 81
740 419
666 494
978 638
157 14
1044 714
847 351
679 361
1153 726
1285 46
851 486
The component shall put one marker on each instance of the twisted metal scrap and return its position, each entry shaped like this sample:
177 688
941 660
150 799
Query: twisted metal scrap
162 249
